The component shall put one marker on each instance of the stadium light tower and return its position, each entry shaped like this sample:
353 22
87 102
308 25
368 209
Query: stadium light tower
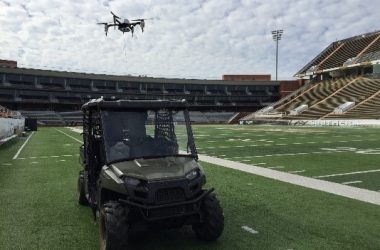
276 34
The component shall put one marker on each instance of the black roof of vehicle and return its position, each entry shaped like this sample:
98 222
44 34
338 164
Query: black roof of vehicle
134 104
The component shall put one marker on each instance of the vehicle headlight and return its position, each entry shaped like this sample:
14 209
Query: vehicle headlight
192 174
132 181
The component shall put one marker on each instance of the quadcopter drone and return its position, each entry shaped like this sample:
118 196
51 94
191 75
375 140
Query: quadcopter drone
124 25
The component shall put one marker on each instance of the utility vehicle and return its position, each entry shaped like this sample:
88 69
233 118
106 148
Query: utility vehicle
141 171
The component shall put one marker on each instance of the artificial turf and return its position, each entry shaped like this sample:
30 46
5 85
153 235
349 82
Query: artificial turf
39 210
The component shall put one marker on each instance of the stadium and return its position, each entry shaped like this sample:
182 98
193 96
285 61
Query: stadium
295 163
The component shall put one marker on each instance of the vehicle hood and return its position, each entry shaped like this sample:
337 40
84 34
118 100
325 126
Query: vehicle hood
157 168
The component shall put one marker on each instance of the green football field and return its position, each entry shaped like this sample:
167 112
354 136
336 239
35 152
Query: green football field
39 210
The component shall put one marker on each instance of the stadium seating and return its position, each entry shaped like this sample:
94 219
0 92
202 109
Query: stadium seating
324 97
67 91
344 53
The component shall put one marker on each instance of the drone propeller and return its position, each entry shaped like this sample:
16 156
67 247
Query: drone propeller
115 18
105 27
115 15
142 22
143 19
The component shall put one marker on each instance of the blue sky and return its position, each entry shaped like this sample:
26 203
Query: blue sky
188 39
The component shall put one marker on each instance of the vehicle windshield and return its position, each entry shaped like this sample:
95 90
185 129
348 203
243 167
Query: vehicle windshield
146 134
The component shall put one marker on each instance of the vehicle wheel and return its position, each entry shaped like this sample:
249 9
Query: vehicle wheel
113 226
82 200
212 224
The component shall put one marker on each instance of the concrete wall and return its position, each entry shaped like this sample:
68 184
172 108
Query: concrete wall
10 126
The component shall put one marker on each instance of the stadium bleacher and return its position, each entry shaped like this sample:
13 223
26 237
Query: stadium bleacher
74 118
324 97
33 89
344 76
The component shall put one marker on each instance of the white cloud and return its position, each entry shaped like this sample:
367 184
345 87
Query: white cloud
197 39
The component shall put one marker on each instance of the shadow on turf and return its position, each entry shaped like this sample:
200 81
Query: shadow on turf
183 238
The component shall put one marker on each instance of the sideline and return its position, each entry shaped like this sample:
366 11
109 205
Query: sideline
69 135
360 194
23 145
355 193
350 173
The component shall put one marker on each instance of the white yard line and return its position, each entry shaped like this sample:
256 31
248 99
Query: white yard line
77 130
250 230
351 182
308 182
72 137
350 173
23 145
296 171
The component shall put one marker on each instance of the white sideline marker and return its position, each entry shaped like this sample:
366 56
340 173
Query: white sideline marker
277 167
23 145
250 230
352 192
69 136
296 171
351 182
350 173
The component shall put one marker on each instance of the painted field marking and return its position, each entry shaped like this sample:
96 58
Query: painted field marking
249 230
260 163
45 157
351 182
277 167
6 164
360 194
349 173
23 145
72 137
296 171
34 162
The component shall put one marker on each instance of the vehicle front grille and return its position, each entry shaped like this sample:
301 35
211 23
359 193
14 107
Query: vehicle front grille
169 195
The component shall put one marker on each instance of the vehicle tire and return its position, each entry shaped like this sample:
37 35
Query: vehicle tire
113 226
82 200
212 223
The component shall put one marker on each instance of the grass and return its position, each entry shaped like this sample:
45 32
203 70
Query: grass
316 150
39 210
